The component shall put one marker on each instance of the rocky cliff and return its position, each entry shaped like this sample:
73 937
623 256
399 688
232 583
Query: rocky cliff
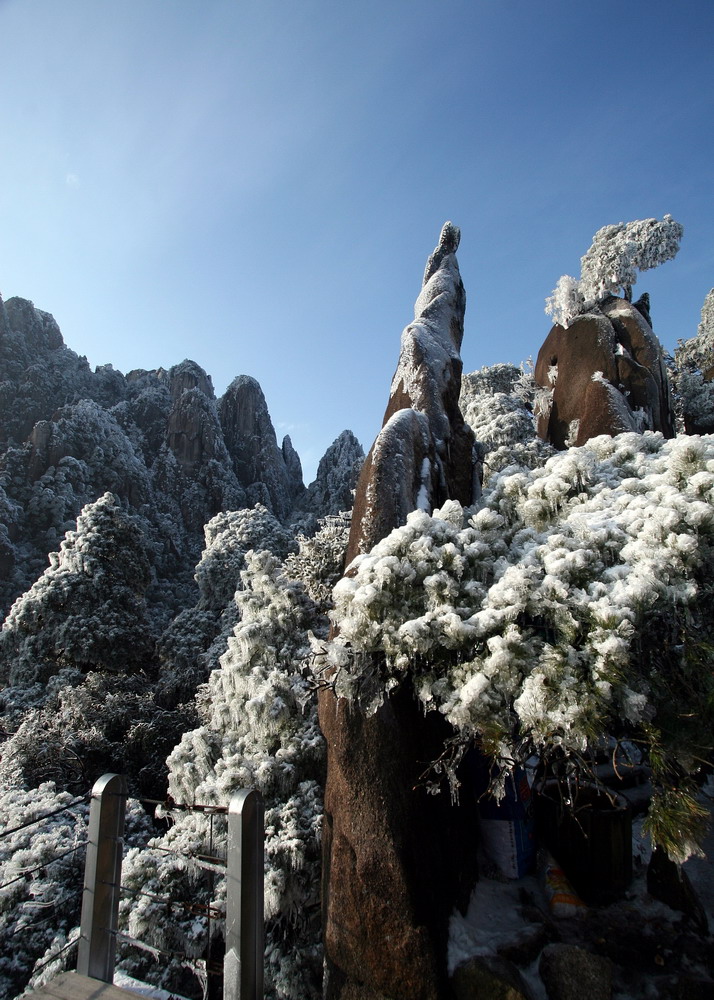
159 440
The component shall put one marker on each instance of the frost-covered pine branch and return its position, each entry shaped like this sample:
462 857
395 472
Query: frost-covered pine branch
573 605
611 264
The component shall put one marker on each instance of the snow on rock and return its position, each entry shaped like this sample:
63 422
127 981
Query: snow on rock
87 432
616 341
422 419
189 375
388 932
38 374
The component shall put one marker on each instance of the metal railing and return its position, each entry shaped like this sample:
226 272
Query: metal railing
26 874
244 944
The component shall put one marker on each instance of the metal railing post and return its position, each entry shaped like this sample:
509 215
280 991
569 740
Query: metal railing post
102 878
243 963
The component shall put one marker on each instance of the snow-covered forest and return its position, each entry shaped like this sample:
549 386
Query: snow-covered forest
174 596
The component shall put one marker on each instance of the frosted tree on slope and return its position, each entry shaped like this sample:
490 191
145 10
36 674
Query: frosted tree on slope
193 642
611 264
693 371
497 403
259 729
87 608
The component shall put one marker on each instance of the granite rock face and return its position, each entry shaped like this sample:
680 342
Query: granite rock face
337 474
604 374
293 469
38 374
193 433
250 438
189 375
396 860
489 978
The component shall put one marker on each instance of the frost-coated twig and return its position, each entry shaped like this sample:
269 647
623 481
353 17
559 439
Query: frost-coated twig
39 819
45 864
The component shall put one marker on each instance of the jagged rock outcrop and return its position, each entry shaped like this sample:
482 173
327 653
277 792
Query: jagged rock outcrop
193 433
336 478
4 322
396 860
251 442
293 468
39 329
189 375
38 374
604 374
87 433
144 413
194 467
153 438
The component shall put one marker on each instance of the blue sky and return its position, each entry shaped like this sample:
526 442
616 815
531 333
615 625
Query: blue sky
257 185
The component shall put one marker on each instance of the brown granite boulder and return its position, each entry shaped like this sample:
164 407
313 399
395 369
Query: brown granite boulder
604 374
397 860
489 978
571 973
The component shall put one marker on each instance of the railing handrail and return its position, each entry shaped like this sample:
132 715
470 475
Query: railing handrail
244 932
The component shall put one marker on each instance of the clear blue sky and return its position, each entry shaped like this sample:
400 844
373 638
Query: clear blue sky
256 184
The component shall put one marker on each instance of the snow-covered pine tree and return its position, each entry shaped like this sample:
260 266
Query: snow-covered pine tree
195 639
611 264
497 403
87 609
693 370
259 729
571 607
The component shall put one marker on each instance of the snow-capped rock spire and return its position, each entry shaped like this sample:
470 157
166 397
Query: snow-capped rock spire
424 453
390 880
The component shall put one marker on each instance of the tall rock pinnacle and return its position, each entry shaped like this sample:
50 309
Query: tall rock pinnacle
397 860
424 453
